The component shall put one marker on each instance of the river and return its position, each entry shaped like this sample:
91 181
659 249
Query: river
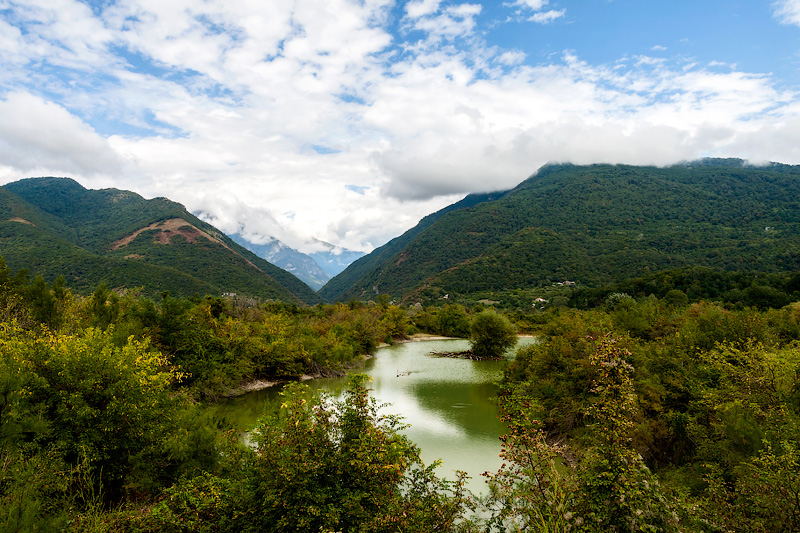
447 402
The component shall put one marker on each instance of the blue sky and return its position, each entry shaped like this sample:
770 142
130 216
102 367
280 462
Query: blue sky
744 33
349 120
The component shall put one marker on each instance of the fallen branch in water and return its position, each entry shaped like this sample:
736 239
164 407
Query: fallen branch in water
466 354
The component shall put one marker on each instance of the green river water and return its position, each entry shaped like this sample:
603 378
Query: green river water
447 402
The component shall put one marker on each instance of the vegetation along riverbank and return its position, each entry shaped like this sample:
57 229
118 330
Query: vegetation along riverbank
639 413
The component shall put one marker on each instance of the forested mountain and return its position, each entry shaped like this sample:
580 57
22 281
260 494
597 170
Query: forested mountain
54 226
593 225
342 286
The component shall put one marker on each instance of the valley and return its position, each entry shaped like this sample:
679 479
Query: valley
659 307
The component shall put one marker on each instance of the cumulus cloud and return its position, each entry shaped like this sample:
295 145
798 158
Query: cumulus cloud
453 22
540 16
546 17
787 11
344 121
573 112
510 58
535 5
42 138
421 8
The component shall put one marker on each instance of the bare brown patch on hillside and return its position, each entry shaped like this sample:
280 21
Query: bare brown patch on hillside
167 229
21 220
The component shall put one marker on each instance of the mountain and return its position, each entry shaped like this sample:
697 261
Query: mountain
301 265
315 268
54 226
592 225
343 286
334 259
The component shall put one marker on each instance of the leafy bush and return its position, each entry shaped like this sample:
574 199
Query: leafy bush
491 334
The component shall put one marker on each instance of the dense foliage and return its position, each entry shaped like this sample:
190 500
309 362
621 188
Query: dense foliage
685 419
647 412
318 466
99 408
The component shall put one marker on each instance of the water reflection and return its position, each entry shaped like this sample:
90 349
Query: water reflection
447 403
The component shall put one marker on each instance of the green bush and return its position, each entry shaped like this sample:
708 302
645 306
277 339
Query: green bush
491 335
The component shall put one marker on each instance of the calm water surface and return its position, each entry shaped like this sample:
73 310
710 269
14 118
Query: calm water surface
447 403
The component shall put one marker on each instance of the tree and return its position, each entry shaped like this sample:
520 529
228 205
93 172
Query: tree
491 335
110 409
341 466
103 307
452 321
394 322
534 489
617 490
603 487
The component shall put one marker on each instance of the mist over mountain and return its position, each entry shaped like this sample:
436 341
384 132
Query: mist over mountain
334 259
591 225
301 265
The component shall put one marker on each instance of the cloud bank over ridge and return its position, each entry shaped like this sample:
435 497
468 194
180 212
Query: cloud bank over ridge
346 120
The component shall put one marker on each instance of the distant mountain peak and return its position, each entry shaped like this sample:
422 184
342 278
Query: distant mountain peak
314 268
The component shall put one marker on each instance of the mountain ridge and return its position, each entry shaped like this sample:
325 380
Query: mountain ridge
337 287
594 224
164 246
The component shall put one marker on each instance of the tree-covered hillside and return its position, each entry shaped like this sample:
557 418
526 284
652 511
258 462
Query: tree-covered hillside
595 225
339 288
54 226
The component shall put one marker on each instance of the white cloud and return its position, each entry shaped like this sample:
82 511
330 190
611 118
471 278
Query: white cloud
42 138
510 58
218 105
534 5
422 8
571 113
546 17
787 11
453 22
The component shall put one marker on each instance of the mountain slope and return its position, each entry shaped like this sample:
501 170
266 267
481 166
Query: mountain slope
343 286
301 265
55 226
594 224
334 259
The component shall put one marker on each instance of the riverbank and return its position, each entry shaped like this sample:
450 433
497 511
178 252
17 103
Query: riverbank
260 384
418 337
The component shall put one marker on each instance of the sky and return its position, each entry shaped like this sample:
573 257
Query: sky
349 120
